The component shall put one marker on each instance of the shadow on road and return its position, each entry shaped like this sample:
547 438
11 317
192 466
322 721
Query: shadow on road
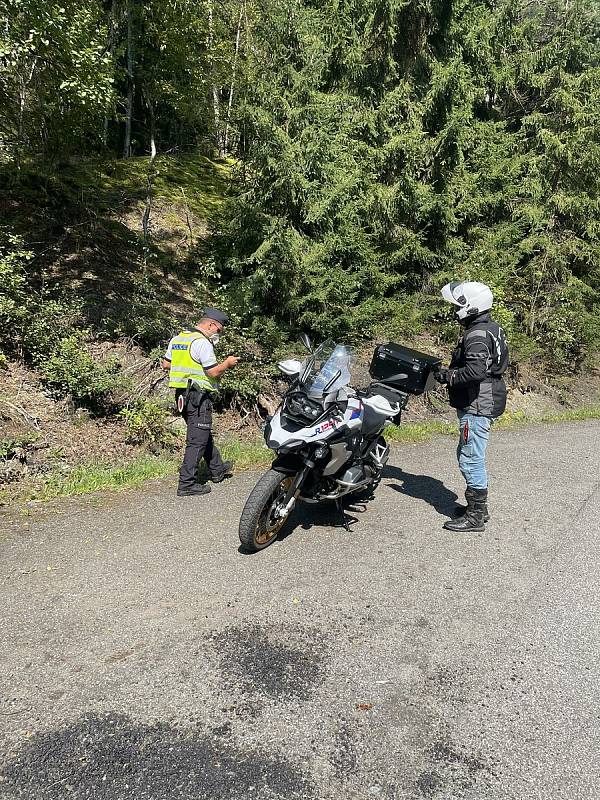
422 487
322 515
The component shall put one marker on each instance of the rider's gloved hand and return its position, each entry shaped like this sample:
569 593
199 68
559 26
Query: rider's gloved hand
442 375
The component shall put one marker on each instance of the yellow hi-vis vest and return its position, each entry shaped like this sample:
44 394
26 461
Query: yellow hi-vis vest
183 366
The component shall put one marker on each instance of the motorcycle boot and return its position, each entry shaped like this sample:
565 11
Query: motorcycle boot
461 510
473 519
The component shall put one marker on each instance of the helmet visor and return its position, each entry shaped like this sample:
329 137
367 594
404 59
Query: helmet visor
452 292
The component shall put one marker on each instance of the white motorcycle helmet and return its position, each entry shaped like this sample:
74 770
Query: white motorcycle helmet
471 297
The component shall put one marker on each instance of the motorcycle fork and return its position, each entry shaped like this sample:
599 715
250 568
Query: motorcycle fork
294 491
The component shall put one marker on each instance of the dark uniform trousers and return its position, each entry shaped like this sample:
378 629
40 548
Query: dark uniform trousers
199 443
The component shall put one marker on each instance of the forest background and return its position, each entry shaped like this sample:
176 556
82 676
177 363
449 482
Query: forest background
317 165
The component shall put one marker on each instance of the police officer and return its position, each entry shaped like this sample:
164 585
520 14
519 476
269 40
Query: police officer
194 374
477 390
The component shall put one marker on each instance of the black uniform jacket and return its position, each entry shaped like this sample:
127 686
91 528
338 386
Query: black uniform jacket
475 382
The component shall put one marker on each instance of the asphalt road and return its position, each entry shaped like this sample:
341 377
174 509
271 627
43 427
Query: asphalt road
143 657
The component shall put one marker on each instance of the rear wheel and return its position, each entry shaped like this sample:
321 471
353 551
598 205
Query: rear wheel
261 519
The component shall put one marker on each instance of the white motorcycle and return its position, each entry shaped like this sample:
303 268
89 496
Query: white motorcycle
327 436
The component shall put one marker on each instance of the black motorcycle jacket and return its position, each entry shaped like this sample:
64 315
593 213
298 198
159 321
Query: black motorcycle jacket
475 382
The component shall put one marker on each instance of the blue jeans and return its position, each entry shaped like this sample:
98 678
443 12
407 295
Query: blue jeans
472 444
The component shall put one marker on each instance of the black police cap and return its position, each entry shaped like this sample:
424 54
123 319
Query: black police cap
216 315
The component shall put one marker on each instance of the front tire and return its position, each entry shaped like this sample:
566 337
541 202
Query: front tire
260 524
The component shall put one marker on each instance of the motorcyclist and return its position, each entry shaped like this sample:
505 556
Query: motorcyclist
477 390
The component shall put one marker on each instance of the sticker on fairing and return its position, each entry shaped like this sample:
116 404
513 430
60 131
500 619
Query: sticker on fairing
324 427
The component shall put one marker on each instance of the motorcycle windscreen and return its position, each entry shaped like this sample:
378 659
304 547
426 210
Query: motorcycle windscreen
329 369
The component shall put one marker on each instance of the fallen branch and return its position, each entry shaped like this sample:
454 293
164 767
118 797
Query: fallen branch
242 422
32 420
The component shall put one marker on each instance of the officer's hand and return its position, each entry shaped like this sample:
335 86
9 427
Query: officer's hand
441 375
232 361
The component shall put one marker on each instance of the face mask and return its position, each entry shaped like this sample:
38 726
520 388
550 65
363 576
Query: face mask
215 338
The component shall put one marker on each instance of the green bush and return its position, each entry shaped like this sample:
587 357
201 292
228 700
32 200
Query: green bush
51 318
406 316
145 318
256 346
9 445
524 348
13 288
146 423
567 328
590 325
71 370
32 321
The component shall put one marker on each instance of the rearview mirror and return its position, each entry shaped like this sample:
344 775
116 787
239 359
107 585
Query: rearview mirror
290 367
305 340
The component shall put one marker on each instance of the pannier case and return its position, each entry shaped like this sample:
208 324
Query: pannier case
403 368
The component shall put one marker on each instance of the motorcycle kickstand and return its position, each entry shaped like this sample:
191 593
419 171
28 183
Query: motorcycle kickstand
340 508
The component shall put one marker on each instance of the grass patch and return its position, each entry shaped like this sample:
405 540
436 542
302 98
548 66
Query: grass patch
573 415
190 179
518 419
100 477
246 454
251 455
108 184
424 431
419 431
90 478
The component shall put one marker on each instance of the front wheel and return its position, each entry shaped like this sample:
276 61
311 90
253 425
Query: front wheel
261 521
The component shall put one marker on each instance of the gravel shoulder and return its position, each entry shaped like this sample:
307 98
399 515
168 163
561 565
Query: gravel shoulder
143 656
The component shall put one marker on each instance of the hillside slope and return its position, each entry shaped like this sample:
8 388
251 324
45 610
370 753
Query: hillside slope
84 224
80 381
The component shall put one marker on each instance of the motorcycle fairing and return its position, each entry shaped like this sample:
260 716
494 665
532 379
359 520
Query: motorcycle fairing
287 463
276 433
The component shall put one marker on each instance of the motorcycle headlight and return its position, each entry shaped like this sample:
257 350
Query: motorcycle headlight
321 450
312 412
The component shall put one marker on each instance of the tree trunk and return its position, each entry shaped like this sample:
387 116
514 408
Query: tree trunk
215 88
20 127
24 83
130 82
112 39
232 86
187 218
149 183
217 115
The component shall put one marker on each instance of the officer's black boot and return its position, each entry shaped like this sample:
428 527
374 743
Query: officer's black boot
461 510
223 473
191 491
473 519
